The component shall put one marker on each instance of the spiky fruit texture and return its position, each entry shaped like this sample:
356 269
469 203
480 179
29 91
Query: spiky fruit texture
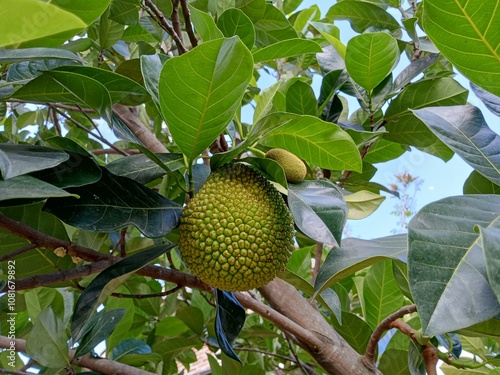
295 169
237 232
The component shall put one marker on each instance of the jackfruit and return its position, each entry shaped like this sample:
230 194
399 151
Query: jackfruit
295 169
237 232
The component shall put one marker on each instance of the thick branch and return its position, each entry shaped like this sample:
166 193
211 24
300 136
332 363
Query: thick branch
102 365
138 129
187 23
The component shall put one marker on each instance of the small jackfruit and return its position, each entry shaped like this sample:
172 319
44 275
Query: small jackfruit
295 169
237 232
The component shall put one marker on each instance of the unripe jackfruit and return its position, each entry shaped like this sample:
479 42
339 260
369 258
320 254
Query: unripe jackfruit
295 169
237 232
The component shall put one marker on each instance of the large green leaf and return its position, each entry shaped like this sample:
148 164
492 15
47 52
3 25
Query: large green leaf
476 183
201 90
402 124
381 293
115 202
47 341
272 27
362 15
286 48
356 254
319 142
446 267
151 66
235 22
354 330
466 33
370 58
87 10
16 160
37 261
105 283
300 99
394 362
28 187
319 210
464 130
27 20
204 25
362 204
490 238
27 54
68 87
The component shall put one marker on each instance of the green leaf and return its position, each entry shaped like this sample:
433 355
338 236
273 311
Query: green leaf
490 238
319 142
370 58
125 12
143 169
272 27
319 210
404 126
362 15
394 362
87 10
476 183
52 351
300 99
31 19
356 254
381 293
354 330
104 284
229 321
106 322
201 90
151 66
446 267
117 85
362 204
37 300
415 68
204 25
28 54
66 87
254 9
492 102
286 48
17 160
131 346
464 33
115 202
235 22
27 187
269 168
109 31
464 130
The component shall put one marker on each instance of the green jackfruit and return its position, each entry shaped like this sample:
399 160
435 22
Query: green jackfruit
295 169
237 232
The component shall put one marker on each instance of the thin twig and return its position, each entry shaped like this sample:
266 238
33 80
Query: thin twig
154 12
187 23
102 139
303 366
363 153
91 121
384 325
18 251
176 23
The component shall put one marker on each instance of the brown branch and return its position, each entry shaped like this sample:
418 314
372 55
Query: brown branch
102 365
187 23
139 129
154 12
363 153
385 325
18 252
45 241
13 372
431 360
176 23
318 254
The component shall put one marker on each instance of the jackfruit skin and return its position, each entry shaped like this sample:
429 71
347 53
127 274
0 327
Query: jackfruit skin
295 169
237 232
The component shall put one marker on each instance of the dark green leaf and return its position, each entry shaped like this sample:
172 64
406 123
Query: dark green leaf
286 48
492 102
22 72
235 22
151 66
229 321
27 187
464 130
356 254
100 331
394 362
300 99
272 27
142 169
490 238
124 11
319 210
354 330
476 183
446 267
370 58
269 168
17 160
201 90
115 202
415 68
130 346
362 15
28 54
463 33
99 288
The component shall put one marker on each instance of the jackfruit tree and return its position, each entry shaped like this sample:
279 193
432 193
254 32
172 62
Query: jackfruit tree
176 177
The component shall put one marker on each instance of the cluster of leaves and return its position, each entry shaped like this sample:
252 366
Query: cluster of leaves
70 68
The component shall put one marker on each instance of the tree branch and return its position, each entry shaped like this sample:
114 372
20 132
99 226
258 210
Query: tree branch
101 365
385 325
187 23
